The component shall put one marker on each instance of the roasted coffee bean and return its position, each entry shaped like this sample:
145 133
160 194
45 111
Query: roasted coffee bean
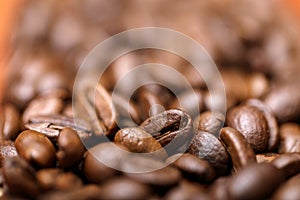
56 179
70 149
193 167
255 181
266 157
20 177
101 161
289 138
139 141
289 163
210 122
272 123
251 122
239 149
219 189
9 122
52 125
258 85
173 129
7 149
206 146
289 189
36 148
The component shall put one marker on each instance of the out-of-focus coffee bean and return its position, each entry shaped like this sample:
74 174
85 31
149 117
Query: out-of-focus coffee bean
255 181
258 85
271 120
70 148
7 149
20 177
266 157
101 161
193 167
279 100
173 129
124 188
239 149
289 163
289 138
9 122
139 141
219 189
56 179
36 148
206 146
289 189
186 190
252 124
210 122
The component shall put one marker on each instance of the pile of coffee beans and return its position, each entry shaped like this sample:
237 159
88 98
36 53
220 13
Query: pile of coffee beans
250 152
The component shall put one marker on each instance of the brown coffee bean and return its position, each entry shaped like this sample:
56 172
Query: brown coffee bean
20 177
219 189
289 189
193 167
266 157
239 149
124 188
206 146
139 141
210 122
173 129
36 148
271 120
70 149
9 122
289 138
252 124
255 181
289 163
7 149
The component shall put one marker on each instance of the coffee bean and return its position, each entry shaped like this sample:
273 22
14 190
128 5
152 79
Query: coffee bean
206 146
289 138
219 189
7 149
20 177
210 122
139 141
289 163
255 181
239 149
36 148
173 129
251 122
193 167
9 122
70 149
266 157
289 189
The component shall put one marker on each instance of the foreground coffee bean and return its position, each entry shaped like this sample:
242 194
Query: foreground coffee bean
9 122
289 138
251 122
20 177
206 146
255 181
239 149
289 163
36 148
289 189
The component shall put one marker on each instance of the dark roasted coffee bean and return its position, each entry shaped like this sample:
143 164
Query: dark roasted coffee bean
289 138
70 149
251 122
219 189
124 188
193 167
139 141
288 190
289 163
7 149
9 122
239 149
255 181
206 146
173 129
266 157
272 123
210 122
36 148
101 161
20 177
